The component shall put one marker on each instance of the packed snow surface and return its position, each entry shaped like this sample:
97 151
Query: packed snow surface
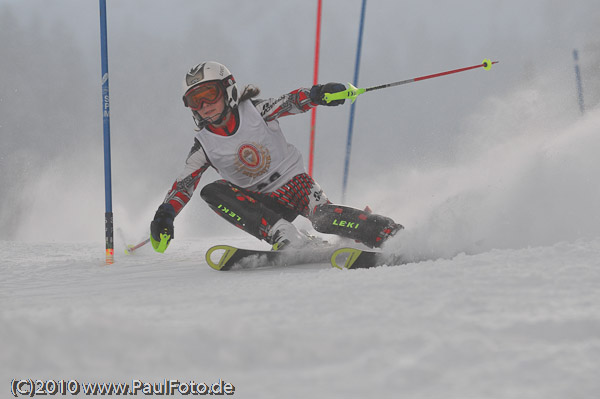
499 297
500 324
493 174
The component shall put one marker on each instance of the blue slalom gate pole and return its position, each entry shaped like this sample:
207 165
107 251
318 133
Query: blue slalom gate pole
578 81
108 216
351 123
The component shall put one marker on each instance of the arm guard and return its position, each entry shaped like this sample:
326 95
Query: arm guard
296 102
182 190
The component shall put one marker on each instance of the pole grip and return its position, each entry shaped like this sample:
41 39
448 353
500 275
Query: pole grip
351 93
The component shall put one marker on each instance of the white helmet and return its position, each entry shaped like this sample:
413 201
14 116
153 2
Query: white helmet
207 72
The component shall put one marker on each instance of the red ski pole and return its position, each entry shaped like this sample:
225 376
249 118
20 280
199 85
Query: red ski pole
131 248
354 92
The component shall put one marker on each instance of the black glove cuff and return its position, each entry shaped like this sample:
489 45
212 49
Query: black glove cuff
166 210
318 91
316 96
163 221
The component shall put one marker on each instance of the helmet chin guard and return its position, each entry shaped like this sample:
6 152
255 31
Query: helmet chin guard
203 122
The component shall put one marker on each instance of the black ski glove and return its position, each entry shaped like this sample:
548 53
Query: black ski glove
318 91
161 228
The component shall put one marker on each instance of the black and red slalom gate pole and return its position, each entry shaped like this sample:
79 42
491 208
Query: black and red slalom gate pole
354 92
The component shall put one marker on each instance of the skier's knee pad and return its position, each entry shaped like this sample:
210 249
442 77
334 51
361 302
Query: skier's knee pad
238 207
370 229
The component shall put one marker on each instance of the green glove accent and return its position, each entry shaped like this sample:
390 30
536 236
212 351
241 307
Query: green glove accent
161 246
351 93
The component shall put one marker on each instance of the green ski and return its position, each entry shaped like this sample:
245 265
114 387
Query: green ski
239 258
352 258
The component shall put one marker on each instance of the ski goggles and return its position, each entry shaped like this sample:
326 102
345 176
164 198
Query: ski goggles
208 93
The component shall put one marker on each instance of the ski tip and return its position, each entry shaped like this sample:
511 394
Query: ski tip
346 257
222 263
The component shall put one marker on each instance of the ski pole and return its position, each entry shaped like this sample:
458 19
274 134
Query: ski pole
354 92
131 248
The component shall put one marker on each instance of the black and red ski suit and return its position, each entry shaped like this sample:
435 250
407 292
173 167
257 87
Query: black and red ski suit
256 208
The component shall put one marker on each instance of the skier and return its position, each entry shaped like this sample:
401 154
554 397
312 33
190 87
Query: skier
265 184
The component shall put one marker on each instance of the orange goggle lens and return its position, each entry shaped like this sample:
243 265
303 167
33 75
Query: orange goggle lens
207 93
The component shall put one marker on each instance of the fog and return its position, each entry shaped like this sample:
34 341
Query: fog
463 161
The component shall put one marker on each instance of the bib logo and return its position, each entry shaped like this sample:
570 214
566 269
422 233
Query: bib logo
253 159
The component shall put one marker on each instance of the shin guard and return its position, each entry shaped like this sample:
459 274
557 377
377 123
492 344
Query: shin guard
239 208
370 229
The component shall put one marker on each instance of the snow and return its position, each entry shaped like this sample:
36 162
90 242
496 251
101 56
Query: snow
499 299
500 324
494 174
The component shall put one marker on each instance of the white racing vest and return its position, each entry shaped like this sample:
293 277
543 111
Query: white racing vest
257 157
